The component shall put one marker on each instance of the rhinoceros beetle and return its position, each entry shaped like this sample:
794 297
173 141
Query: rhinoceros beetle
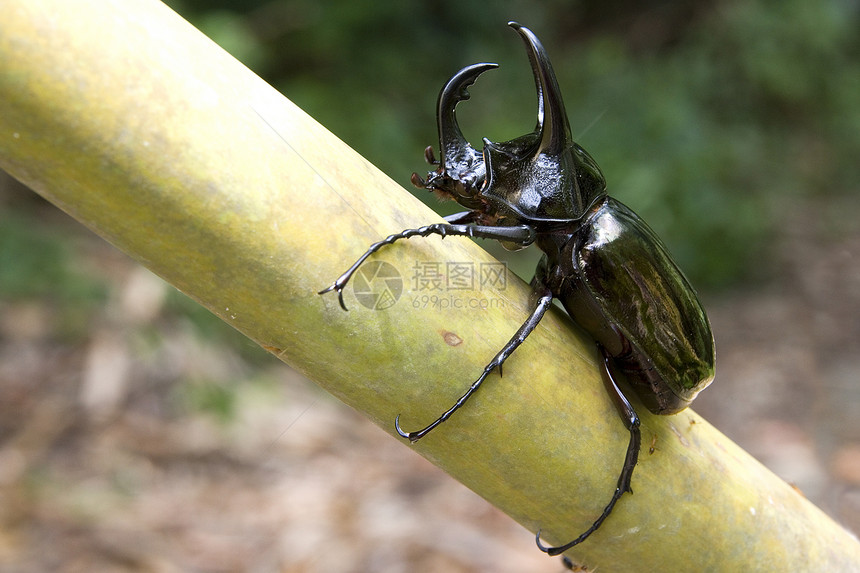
610 271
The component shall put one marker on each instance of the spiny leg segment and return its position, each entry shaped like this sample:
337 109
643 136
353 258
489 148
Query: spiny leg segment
631 422
520 234
544 301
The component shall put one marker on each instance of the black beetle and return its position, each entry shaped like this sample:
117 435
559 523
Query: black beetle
610 271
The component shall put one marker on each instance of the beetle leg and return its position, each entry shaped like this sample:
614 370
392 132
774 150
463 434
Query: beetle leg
544 301
519 234
631 422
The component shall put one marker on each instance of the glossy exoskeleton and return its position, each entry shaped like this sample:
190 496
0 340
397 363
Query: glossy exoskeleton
607 267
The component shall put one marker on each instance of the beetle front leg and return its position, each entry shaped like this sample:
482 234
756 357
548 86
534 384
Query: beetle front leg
543 302
631 422
519 234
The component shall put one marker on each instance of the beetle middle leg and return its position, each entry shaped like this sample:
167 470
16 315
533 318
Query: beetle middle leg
519 234
543 300
631 422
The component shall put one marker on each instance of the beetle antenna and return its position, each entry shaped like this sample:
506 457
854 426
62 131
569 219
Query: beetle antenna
418 181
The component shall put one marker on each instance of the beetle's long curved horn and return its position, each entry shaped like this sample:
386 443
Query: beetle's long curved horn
452 144
552 123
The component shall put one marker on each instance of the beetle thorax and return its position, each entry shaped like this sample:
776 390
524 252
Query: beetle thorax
540 186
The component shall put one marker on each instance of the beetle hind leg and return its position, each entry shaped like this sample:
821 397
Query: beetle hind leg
631 422
543 301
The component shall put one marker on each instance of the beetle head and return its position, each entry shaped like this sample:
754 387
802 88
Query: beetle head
461 172
541 176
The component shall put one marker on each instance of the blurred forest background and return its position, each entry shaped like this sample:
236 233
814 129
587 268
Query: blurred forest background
139 433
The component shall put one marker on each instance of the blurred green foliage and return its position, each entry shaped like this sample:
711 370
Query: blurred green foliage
713 120
35 262
217 399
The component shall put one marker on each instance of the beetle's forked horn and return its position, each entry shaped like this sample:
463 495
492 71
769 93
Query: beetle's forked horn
552 123
456 152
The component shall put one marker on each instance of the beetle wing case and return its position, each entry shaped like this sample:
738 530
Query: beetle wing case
640 290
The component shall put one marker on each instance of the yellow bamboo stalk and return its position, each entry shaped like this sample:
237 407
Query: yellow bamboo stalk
129 119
